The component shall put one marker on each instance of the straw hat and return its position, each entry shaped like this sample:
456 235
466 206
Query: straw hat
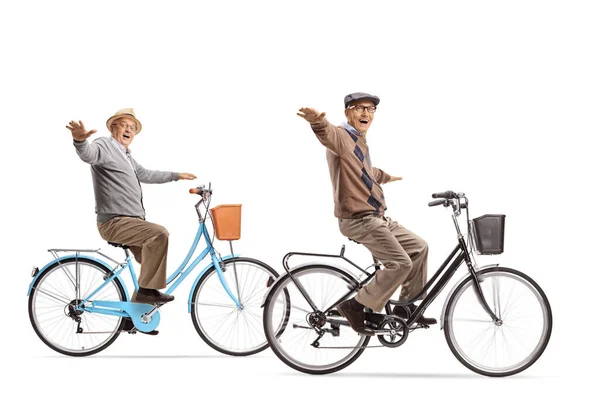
124 112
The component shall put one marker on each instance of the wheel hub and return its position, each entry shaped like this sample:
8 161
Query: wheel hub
71 311
317 319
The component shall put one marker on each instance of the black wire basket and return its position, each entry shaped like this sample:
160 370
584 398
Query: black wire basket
488 232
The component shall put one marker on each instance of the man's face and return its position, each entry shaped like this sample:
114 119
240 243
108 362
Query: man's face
359 116
123 130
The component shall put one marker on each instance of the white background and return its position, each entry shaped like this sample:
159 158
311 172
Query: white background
495 99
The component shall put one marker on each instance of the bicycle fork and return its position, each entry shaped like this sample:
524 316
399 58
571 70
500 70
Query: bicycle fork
481 297
219 270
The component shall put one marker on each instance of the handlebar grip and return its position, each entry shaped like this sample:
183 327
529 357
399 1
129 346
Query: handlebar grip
194 191
448 194
437 202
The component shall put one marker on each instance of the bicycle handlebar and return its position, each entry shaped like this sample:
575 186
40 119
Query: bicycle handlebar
438 202
448 198
448 194
201 190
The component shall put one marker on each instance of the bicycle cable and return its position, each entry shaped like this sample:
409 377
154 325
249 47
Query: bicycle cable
207 205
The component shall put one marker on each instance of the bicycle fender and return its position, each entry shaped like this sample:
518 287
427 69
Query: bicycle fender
464 278
51 263
266 296
201 275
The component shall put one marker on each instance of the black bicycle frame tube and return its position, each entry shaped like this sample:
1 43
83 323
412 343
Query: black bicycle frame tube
439 286
462 256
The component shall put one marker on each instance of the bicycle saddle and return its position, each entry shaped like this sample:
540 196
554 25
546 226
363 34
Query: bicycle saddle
124 246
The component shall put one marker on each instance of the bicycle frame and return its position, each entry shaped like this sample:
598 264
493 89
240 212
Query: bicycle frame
437 283
124 309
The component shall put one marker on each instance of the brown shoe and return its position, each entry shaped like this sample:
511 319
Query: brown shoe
354 312
151 296
401 312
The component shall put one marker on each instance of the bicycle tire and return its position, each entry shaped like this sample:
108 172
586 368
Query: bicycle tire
530 294
275 336
43 332
247 344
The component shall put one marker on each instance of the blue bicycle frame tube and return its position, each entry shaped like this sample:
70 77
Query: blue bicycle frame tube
184 272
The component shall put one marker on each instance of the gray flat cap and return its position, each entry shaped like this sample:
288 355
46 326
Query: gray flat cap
360 96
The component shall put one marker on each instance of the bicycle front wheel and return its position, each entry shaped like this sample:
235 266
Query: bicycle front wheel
56 317
310 340
219 322
506 347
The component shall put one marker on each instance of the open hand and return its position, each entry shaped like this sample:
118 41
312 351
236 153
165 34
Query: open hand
394 178
311 115
78 131
187 176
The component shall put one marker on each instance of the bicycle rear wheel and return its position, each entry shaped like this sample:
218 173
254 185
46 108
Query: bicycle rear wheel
53 313
506 348
295 343
219 322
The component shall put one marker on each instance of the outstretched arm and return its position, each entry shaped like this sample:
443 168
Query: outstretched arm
153 176
329 135
383 177
89 153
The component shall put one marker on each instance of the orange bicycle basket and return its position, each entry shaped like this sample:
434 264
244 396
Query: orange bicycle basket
227 219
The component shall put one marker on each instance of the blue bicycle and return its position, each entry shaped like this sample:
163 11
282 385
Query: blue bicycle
78 303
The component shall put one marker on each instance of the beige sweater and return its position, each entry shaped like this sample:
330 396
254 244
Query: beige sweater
356 183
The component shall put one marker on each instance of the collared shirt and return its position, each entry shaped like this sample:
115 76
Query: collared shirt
124 151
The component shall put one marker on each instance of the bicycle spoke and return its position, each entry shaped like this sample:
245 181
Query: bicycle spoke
233 306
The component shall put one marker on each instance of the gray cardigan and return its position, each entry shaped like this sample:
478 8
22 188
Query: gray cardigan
116 186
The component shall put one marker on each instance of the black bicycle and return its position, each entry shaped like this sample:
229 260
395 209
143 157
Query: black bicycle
497 321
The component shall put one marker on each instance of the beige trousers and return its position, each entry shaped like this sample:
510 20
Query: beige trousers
147 241
403 254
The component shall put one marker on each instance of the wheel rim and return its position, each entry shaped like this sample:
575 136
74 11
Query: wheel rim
219 319
499 348
294 343
52 312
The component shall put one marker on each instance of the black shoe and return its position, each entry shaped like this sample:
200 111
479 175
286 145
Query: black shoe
130 328
151 296
401 312
354 312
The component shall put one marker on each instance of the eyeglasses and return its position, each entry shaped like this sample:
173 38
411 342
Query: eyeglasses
360 109
124 125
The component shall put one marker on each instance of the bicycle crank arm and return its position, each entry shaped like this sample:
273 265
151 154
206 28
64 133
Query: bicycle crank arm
301 326
382 332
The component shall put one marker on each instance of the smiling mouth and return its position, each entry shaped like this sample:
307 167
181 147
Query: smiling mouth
364 121
126 136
